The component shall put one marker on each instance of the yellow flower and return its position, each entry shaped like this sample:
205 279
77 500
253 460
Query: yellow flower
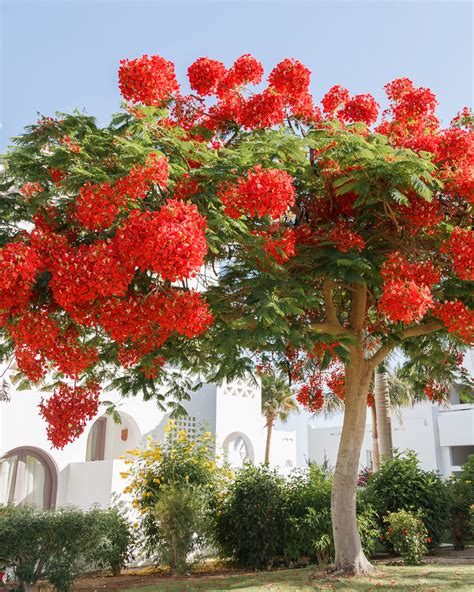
124 475
169 426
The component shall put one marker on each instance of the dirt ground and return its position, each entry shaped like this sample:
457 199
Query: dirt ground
146 576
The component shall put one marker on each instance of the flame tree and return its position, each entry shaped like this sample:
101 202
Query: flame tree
230 229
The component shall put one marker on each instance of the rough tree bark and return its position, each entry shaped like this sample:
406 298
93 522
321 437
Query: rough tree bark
384 419
269 426
375 440
350 558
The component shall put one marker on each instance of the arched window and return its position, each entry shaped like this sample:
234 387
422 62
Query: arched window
28 476
108 440
238 449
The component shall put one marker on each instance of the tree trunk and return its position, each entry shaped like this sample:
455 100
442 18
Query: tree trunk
350 558
270 422
375 440
382 409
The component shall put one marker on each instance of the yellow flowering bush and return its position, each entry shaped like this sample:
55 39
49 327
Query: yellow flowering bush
184 466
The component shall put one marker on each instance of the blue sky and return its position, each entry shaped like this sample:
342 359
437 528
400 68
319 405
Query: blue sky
57 55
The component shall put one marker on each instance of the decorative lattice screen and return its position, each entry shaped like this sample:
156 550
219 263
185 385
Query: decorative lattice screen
189 425
240 387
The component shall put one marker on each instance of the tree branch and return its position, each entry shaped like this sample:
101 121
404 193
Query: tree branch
359 306
331 328
415 331
330 309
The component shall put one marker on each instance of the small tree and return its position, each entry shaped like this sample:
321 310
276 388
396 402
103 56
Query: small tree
338 238
277 403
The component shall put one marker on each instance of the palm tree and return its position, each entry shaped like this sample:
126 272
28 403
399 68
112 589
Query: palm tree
382 412
277 403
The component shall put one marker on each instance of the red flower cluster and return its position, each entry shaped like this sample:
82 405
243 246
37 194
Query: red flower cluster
460 246
455 153
362 108
336 98
171 242
86 273
311 395
71 145
57 175
263 192
458 319
149 80
411 113
68 410
205 75
18 267
263 110
245 70
186 187
146 323
345 238
436 392
39 340
336 381
290 78
421 213
279 249
407 286
405 301
29 189
97 206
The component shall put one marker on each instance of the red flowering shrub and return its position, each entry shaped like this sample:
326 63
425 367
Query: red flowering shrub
149 80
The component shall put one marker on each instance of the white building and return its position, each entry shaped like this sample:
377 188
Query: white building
442 437
88 470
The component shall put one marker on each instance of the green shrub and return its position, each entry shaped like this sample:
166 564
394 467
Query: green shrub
407 535
41 544
400 484
369 529
108 540
52 545
308 528
180 515
461 498
249 517
263 517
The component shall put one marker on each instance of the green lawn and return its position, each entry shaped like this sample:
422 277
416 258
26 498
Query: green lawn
429 578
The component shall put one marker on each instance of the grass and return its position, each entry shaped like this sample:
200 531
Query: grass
428 578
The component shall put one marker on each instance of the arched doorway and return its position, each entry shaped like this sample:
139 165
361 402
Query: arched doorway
238 449
108 440
28 475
